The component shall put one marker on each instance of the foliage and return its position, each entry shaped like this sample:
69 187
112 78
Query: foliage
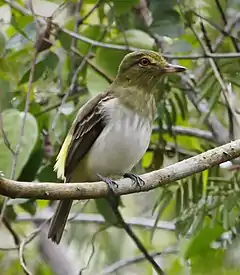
69 69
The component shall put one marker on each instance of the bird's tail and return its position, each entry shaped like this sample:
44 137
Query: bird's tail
59 220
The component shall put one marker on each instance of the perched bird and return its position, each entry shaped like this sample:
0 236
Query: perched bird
111 132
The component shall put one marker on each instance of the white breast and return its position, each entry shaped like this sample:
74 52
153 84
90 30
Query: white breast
121 144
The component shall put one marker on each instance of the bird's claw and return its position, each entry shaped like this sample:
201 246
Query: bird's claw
135 178
110 183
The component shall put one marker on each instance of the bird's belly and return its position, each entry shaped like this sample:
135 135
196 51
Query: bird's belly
119 147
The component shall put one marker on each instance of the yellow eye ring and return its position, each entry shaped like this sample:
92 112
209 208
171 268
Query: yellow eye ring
144 62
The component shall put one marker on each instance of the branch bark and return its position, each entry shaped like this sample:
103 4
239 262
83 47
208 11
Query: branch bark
89 190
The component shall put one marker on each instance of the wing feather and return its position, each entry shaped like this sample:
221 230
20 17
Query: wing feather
87 126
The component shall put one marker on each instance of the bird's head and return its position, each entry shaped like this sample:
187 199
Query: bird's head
144 68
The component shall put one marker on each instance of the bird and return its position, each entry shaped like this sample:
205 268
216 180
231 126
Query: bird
112 131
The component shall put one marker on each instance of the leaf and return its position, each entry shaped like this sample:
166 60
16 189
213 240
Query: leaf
5 94
162 202
30 206
12 123
166 20
48 63
170 26
2 44
106 211
30 170
65 40
47 174
147 159
182 104
124 6
201 242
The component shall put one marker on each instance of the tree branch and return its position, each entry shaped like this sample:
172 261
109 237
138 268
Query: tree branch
147 223
187 131
88 190
85 39
113 268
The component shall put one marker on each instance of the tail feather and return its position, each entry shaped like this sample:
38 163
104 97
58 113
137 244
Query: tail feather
59 220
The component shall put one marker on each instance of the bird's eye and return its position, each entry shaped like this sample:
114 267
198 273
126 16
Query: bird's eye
144 62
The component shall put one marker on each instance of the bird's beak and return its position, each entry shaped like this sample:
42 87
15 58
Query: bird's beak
170 68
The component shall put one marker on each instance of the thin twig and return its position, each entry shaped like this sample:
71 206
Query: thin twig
228 28
57 105
15 236
4 135
24 242
94 67
74 41
124 48
224 19
217 27
94 7
93 248
115 267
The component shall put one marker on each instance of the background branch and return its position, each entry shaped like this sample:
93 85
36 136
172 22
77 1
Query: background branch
126 262
147 223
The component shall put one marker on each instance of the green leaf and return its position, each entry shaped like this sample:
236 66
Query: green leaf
147 159
5 93
30 206
30 170
47 174
48 63
162 202
2 44
171 26
124 6
106 211
166 20
201 242
12 123
65 40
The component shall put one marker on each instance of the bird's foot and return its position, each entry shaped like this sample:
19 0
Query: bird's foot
110 183
135 178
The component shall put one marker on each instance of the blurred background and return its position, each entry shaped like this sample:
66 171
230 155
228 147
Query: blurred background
54 56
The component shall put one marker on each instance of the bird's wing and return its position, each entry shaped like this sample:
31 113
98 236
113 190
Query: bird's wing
86 127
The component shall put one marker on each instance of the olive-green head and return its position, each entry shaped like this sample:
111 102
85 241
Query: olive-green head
145 68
